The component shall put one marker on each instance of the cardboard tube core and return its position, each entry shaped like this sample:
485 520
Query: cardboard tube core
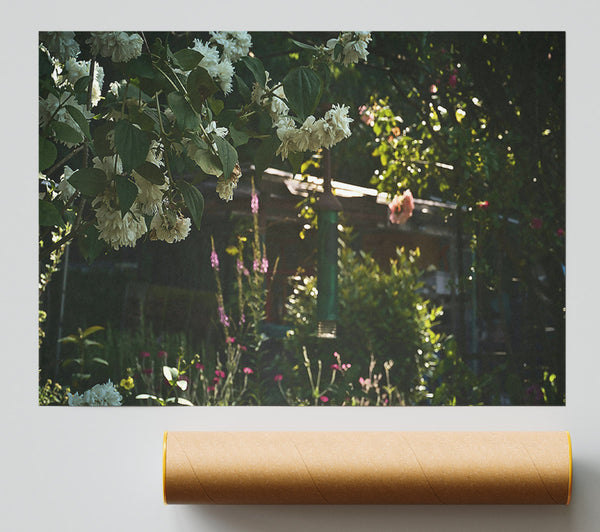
367 467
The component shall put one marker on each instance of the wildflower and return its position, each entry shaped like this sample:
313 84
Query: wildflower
220 373
452 80
278 378
118 45
144 354
254 203
483 204
127 383
248 371
115 229
199 366
560 232
241 268
214 260
401 208
75 70
210 389
162 354
349 47
230 340
324 398
219 131
346 367
223 318
243 348
336 367
98 395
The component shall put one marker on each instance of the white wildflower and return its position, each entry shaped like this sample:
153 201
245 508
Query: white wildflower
224 74
99 395
169 226
226 186
64 188
118 45
116 230
221 70
339 120
236 44
61 44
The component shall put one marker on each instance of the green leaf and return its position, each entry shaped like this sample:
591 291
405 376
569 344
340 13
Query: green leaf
90 243
255 66
66 133
89 181
227 155
242 88
81 120
131 143
184 114
187 59
140 66
127 191
302 87
304 46
216 105
91 330
49 214
200 87
151 172
239 137
102 146
264 155
208 162
48 154
99 360
45 66
194 201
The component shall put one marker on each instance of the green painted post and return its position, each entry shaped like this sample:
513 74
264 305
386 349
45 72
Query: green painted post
328 207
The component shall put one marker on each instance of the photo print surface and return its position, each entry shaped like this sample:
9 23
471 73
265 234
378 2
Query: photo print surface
302 218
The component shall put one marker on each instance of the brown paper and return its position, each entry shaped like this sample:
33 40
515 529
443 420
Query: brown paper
367 467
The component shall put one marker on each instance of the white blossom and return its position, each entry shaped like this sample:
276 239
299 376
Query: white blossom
236 44
61 44
226 186
274 103
212 128
353 47
75 70
220 69
99 395
150 196
169 226
118 45
116 230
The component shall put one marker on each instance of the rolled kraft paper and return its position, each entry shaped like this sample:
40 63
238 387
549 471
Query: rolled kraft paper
367 467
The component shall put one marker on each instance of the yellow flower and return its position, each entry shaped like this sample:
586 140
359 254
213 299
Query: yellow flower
127 383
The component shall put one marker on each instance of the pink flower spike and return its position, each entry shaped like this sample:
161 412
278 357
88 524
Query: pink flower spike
214 260
161 354
144 354
210 389
216 380
248 371
199 366
254 203
336 366
278 378
346 366
219 373
230 340
324 398
243 348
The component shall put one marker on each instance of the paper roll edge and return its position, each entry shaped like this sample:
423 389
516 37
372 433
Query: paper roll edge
570 467
164 467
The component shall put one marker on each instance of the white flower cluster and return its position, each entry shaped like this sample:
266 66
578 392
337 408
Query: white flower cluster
353 47
226 186
220 68
314 134
99 395
49 110
236 44
169 226
61 44
121 47
64 188
75 70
